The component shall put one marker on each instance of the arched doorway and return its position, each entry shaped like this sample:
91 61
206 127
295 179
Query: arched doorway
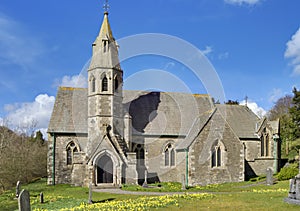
105 170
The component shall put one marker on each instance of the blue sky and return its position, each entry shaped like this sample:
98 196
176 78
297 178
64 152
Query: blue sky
254 46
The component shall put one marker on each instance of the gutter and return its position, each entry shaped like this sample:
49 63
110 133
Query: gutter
186 167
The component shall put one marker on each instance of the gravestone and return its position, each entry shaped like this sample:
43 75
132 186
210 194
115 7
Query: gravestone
297 196
18 189
269 176
24 201
183 187
90 201
41 198
292 191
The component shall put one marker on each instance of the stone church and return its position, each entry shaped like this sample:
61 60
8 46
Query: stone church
105 135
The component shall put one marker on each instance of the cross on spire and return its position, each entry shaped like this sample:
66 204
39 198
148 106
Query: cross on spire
106 6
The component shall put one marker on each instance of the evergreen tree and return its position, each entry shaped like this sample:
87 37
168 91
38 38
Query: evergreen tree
295 112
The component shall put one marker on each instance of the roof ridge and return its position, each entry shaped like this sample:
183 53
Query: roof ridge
68 88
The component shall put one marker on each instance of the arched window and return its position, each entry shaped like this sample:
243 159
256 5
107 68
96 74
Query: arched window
140 154
169 155
71 148
265 145
262 146
116 85
105 45
104 84
93 84
217 155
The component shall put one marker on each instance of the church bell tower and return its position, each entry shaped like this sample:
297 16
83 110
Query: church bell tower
105 79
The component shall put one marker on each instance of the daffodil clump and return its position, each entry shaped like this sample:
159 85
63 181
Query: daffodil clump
279 190
140 204
210 186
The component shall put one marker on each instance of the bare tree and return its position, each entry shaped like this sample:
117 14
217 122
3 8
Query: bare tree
280 108
22 157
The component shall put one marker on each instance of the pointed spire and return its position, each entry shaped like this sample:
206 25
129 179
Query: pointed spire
105 31
105 48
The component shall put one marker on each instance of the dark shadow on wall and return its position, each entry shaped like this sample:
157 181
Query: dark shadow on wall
249 172
142 111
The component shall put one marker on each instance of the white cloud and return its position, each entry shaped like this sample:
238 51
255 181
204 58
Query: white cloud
223 55
207 50
241 2
72 81
275 95
16 45
293 52
24 114
259 111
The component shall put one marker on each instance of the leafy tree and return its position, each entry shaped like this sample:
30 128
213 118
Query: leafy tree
38 137
295 112
287 109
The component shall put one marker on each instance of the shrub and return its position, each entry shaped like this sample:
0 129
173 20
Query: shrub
288 172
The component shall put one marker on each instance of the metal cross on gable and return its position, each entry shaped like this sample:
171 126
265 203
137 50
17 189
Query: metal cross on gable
106 6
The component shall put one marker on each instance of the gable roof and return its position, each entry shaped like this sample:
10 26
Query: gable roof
241 119
70 111
164 113
195 130
152 113
275 126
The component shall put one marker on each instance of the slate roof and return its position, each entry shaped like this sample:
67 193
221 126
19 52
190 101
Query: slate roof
153 113
164 113
70 111
241 119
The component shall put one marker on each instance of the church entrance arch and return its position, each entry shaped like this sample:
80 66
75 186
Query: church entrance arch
105 170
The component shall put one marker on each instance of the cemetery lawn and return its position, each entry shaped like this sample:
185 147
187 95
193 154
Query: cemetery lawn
230 196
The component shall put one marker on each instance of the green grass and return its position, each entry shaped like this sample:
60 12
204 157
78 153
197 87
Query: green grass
55 197
228 196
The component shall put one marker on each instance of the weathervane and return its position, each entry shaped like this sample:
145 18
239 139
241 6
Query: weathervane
106 6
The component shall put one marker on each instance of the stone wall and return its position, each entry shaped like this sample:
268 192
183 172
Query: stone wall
252 149
260 165
155 159
63 172
231 169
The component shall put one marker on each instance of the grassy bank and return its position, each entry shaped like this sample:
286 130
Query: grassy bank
230 196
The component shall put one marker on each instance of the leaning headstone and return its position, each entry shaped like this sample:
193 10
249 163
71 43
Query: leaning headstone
41 198
90 201
270 177
18 189
183 187
24 201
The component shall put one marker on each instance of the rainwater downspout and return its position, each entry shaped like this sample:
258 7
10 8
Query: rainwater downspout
186 167
53 160
276 139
